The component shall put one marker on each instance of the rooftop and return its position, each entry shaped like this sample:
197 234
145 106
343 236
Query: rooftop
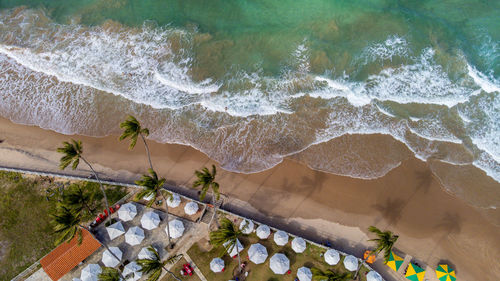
68 255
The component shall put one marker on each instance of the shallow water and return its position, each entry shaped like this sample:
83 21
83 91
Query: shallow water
250 82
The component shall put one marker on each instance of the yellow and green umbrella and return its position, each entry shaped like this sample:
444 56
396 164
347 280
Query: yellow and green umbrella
394 261
445 273
415 273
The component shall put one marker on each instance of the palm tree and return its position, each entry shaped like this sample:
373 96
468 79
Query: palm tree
132 129
80 200
207 181
153 267
329 275
109 274
152 185
68 225
226 237
72 153
384 242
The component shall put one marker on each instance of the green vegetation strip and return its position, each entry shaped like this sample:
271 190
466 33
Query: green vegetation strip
311 257
176 269
26 234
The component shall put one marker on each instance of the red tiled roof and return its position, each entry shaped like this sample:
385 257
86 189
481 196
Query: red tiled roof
68 255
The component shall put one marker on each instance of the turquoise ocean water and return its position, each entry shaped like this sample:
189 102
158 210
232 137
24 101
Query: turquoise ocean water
250 82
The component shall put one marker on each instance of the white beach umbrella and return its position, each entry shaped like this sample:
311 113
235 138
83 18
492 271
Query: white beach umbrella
109 260
115 230
332 257
232 252
90 272
150 220
280 238
191 208
299 245
127 212
176 228
174 201
279 264
246 226
217 265
263 231
351 263
145 254
373 276
304 274
134 236
133 271
257 253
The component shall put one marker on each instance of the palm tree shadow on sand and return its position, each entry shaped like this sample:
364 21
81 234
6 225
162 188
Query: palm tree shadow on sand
391 209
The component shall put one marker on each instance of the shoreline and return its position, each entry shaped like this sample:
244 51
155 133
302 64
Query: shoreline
433 225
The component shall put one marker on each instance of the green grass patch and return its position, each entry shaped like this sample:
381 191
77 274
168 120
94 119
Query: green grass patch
311 257
176 270
26 234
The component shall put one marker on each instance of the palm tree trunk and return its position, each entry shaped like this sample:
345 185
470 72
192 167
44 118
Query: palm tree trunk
107 248
168 227
214 216
147 151
238 253
100 183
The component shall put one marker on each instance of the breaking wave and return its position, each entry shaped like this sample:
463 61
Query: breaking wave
70 78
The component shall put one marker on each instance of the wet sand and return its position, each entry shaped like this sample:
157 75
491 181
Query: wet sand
433 225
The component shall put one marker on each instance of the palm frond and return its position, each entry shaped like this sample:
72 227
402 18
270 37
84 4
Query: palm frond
67 224
71 153
109 274
132 129
206 180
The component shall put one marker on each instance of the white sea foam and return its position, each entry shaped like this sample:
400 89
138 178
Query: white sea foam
393 46
483 81
263 118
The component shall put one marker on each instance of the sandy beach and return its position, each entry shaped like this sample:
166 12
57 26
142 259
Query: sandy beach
433 225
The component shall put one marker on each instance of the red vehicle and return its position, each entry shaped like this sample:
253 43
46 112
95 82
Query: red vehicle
187 269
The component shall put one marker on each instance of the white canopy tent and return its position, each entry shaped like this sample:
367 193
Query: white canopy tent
217 265
263 231
150 220
109 260
134 236
304 274
279 264
299 245
232 252
127 212
351 263
191 208
280 238
257 253
246 226
332 257
115 230
176 228
133 271
145 254
373 276
90 272
174 201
